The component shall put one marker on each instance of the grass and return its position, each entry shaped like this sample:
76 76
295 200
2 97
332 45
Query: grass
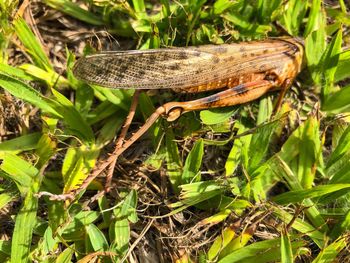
190 191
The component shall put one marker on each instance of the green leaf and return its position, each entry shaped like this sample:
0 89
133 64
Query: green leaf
174 165
74 10
22 91
15 72
315 45
215 116
83 99
234 157
7 197
76 123
20 144
293 16
97 238
329 254
220 242
259 145
338 100
286 248
329 65
300 195
221 5
46 148
268 251
195 193
139 6
49 76
191 170
124 212
32 44
341 148
5 247
122 236
66 255
300 225
19 170
76 166
312 22
343 66
24 226
309 149
266 8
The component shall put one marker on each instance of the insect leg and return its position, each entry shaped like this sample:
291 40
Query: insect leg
284 88
237 95
121 137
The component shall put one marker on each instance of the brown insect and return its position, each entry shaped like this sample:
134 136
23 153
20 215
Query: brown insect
244 71
247 70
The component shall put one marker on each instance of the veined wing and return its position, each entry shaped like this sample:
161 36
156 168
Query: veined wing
146 69
178 68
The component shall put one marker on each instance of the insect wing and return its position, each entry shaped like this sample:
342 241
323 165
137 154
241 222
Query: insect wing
149 69
180 68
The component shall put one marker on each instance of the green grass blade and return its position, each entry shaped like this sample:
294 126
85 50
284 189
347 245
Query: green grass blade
97 239
65 256
174 165
83 99
215 116
315 45
22 91
294 15
139 6
7 197
259 145
28 181
286 248
339 101
268 251
191 170
24 226
76 123
46 148
220 6
312 23
20 144
329 66
309 150
15 72
233 158
300 225
31 44
317 191
74 10
49 76
5 247
266 8
125 212
220 242
341 148
329 254
77 165
19 170
343 66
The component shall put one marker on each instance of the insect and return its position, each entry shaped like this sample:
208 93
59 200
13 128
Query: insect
245 70
239 72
